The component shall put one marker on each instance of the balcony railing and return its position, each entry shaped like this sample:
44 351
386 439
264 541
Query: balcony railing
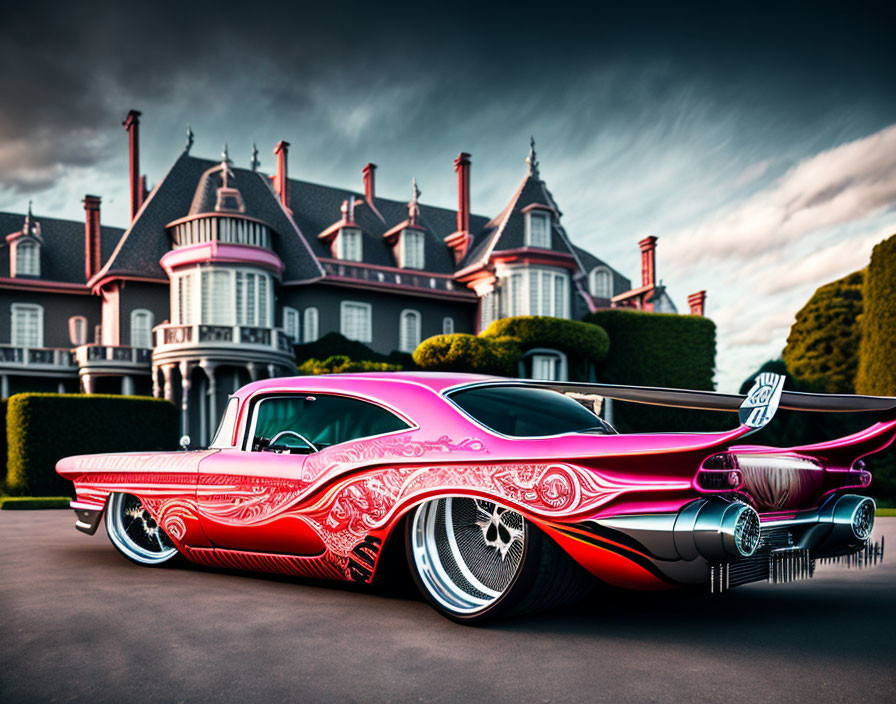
196 335
112 355
45 357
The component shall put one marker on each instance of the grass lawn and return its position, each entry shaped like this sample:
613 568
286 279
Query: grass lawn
885 512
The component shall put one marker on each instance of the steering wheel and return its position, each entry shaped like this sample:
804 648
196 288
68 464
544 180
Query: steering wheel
294 433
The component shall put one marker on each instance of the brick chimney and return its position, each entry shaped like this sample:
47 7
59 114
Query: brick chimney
697 302
460 240
462 167
132 125
281 182
648 261
369 172
92 253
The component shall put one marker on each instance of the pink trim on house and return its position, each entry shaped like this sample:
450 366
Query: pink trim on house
43 286
208 252
533 255
540 206
417 291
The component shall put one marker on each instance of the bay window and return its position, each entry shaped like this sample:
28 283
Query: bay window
536 291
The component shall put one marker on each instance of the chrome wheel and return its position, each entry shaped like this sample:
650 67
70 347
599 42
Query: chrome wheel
135 533
467 553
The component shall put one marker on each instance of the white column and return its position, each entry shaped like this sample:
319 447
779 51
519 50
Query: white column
272 371
156 388
60 387
185 398
4 386
253 371
89 383
167 370
127 385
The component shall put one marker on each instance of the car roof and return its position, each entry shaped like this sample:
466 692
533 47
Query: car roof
369 381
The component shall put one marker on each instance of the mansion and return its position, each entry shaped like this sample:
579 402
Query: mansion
222 270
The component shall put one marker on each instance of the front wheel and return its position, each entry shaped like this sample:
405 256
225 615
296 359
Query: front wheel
473 559
134 532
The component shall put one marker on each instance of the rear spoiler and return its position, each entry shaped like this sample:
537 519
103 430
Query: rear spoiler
755 409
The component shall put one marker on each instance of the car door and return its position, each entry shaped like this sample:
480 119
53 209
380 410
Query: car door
249 495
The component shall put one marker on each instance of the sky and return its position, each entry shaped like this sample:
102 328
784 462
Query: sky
756 141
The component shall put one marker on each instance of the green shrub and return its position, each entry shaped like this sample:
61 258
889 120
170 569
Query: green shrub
659 349
584 344
42 428
822 350
28 503
877 351
461 352
341 364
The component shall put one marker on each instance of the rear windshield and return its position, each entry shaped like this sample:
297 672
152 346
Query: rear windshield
524 411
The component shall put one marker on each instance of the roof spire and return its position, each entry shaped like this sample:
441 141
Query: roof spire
254 163
413 206
30 227
531 160
189 143
225 166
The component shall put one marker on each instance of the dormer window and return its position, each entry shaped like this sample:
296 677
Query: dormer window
348 245
601 283
27 258
538 229
411 252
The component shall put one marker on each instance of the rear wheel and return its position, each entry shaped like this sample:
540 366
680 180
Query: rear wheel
473 559
134 532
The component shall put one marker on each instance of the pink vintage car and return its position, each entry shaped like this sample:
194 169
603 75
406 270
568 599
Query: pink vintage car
505 495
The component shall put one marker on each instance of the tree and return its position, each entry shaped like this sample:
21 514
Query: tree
877 351
822 351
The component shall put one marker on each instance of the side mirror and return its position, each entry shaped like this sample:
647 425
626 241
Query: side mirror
184 442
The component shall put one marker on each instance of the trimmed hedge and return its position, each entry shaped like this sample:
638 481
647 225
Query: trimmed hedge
660 349
30 503
341 364
461 352
43 428
333 344
584 344
822 349
877 352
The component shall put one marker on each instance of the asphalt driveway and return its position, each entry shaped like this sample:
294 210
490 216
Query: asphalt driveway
80 623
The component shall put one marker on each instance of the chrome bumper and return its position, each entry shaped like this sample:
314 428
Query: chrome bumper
88 515
697 544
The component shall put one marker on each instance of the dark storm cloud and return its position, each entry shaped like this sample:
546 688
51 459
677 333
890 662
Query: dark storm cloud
71 70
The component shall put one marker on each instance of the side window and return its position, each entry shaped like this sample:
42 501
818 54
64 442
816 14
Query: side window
305 423
224 435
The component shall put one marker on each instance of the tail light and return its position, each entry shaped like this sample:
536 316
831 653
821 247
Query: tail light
720 473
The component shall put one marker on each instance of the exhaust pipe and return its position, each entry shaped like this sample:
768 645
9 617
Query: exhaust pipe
716 530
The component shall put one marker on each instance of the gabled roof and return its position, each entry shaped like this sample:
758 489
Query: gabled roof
186 184
508 230
316 207
63 250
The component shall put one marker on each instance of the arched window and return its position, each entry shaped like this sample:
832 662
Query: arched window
310 331
447 326
27 325
601 282
27 258
77 330
409 331
141 328
291 323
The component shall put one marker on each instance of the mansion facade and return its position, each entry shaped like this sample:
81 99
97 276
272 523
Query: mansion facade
222 270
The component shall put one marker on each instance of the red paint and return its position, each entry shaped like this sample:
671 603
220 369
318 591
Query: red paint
697 302
92 255
648 261
132 125
459 241
369 172
281 182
